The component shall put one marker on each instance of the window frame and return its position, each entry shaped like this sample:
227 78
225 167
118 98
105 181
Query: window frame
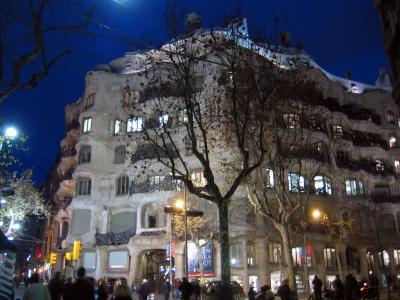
84 186
85 157
134 124
122 186
237 254
87 125
352 185
330 260
326 188
337 131
300 185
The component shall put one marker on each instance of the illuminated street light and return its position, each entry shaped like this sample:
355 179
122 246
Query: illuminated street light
3 201
16 226
316 214
11 133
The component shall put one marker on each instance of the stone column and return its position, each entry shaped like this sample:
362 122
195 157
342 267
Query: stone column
320 262
217 260
98 273
342 255
363 262
134 272
245 273
262 261
105 215
139 219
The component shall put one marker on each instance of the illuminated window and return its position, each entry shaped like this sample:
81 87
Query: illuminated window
134 124
337 131
379 166
117 124
157 182
163 120
251 254
291 120
397 166
383 258
236 255
392 142
182 116
296 182
390 117
274 253
354 187
87 125
198 178
298 256
396 255
330 258
270 180
322 185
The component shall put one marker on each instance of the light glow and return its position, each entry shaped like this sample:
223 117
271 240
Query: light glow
11 133
180 204
316 214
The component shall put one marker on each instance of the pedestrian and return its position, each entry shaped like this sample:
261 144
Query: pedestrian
196 289
166 289
67 290
265 293
144 290
36 291
186 288
284 291
177 292
82 289
338 288
102 290
350 287
317 286
55 286
251 294
122 291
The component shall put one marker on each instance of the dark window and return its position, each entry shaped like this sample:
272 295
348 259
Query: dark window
85 154
119 156
122 185
89 100
391 118
152 222
84 186
64 231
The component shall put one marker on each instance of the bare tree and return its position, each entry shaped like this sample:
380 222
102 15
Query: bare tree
297 148
205 101
35 35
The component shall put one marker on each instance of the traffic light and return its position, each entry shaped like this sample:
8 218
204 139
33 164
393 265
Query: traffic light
76 251
53 258
68 256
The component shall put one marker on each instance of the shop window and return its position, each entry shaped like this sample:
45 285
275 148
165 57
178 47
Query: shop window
296 182
322 185
87 125
236 255
134 124
89 260
122 185
84 186
118 261
85 154
354 187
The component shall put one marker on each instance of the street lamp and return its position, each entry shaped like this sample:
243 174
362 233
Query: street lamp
316 214
10 133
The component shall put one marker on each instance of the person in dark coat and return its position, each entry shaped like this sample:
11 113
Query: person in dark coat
55 286
166 289
144 290
186 289
196 289
317 286
251 294
350 287
67 290
82 289
338 288
284 291
102 290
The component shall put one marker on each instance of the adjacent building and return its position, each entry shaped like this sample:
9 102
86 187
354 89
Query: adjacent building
118 216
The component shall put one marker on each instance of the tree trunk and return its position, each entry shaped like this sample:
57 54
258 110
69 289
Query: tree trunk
287 250
224 242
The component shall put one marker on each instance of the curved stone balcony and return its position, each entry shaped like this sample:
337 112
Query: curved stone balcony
112 238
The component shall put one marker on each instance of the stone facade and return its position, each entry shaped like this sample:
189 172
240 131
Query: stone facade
120 220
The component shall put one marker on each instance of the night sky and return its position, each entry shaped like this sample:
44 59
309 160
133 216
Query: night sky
340 35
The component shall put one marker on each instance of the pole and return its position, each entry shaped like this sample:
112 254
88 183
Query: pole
186 239
170 255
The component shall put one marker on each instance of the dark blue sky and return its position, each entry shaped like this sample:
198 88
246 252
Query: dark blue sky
340 35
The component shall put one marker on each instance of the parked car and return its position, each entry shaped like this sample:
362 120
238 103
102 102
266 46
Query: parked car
213 288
